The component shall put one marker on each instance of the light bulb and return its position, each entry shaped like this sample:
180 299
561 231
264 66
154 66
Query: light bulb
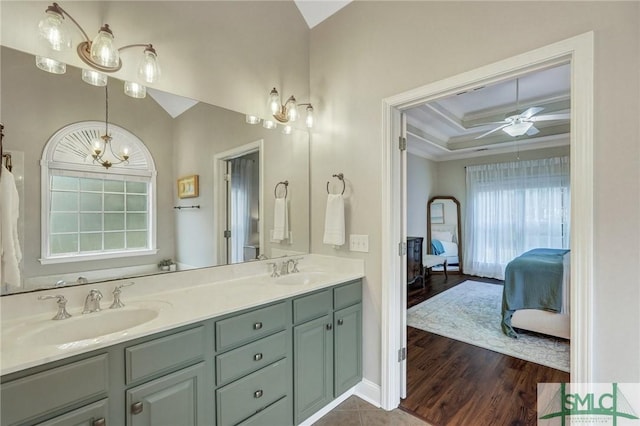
292 109
134 90
252 119
309 119
149 70
94 78
102 50
51 65
52 30
287 130
274 101
269 124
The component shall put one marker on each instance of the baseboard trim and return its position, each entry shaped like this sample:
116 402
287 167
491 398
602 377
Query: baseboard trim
365 390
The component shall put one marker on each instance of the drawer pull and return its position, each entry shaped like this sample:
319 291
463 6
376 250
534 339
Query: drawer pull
329 326
340 321
257 357
99 422
258 393
137 408
257 326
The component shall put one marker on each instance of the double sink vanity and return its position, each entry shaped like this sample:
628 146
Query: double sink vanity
231 345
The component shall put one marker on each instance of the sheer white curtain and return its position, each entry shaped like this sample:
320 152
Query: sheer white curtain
514 207
241 196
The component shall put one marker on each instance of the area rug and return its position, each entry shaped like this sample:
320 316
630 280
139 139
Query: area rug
471 312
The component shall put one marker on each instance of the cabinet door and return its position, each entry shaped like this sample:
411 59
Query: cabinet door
348 348
90 415
313 372
175 399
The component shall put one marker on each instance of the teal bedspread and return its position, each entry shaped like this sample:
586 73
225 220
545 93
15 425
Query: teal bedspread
532 280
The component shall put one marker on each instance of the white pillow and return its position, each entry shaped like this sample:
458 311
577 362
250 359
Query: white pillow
450 249
442 236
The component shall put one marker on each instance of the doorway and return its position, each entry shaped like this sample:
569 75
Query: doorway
578 51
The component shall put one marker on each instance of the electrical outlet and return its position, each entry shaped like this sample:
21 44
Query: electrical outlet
359 243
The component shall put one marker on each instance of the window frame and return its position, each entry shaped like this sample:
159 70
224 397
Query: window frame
51 165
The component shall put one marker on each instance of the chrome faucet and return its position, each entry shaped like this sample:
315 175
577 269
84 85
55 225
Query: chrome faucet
62 306
274 269
92 302
117 303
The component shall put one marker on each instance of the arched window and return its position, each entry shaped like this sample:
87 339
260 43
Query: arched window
90 212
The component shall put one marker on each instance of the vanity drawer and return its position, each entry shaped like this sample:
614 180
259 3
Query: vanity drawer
164 354
245 359
243 398
250 326
278 413
35 395
347 295
310 307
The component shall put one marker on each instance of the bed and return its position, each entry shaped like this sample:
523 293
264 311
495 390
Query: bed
444 243
536 293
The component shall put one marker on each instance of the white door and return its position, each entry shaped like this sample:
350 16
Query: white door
402 145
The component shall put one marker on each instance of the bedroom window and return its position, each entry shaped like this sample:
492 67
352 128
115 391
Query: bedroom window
514 207
92 213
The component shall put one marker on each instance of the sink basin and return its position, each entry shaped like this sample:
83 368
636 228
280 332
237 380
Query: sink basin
84 329
303 278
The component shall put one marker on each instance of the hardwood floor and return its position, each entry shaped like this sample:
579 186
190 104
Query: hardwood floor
454 383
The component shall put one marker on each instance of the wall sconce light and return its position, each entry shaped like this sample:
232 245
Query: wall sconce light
100 53
288 111
100 146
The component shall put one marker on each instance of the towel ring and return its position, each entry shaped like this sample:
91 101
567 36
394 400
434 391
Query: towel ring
340 176
286 188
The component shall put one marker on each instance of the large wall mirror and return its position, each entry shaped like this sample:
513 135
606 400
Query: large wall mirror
444 231
219 224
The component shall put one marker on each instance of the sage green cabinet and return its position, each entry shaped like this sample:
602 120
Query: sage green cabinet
347 371
175 399
327 350
95 414
313 371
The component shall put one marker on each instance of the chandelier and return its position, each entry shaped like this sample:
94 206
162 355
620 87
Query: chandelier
99 54
288 111
100 145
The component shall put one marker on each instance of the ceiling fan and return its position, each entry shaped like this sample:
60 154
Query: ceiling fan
520 124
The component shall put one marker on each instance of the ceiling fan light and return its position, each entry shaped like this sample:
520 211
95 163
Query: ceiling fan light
518 128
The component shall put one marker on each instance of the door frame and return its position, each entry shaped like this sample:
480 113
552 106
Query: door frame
219 210
579 51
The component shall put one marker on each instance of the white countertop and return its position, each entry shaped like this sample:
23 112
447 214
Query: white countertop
178 299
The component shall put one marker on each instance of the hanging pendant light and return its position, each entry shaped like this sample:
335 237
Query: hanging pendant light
103 153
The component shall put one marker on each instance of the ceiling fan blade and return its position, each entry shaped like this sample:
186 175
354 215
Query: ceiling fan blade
532 131
549 117
531 112
488 123
493 130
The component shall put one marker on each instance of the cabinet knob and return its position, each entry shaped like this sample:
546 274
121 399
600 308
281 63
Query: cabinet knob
99 422
136 408
329 326
258 394
257 357
340 321
257 326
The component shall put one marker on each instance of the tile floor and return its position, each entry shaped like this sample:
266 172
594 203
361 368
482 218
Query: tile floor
356 412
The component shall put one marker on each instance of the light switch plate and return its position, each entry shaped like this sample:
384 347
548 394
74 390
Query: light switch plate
359 243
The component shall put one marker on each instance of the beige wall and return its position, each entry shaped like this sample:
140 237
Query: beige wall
372 50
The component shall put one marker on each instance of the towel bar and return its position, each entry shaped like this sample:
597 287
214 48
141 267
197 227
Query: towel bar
340 177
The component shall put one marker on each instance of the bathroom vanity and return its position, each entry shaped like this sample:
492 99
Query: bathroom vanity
273 351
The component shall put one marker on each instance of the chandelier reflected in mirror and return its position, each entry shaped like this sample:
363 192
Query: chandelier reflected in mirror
100 53
102 148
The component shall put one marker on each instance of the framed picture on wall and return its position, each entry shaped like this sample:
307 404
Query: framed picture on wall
188 187
437 213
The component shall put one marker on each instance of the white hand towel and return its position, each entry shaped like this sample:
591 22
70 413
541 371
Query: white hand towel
10 253
334 220
280 220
